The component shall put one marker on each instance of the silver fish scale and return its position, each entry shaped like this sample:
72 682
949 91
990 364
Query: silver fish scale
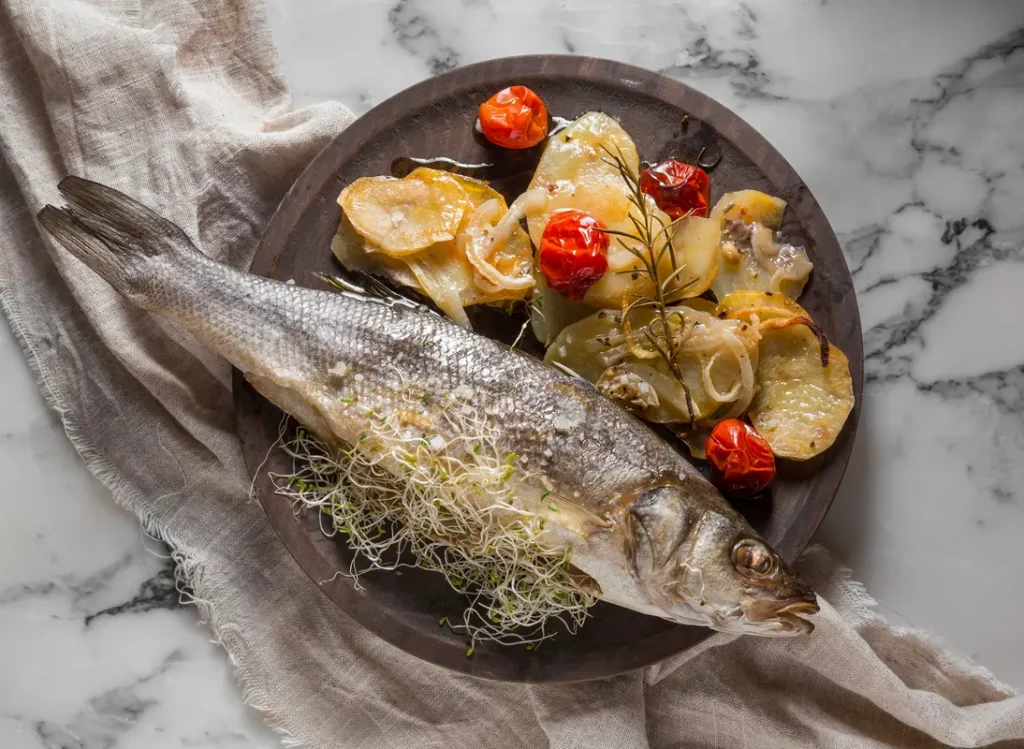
568 437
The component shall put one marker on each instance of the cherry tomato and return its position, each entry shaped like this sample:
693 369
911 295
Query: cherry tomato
677 188
741 461
515 117
573 252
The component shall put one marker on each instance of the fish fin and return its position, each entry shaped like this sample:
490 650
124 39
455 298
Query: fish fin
558 508
72 234
379 289
337 283
371 288
113 234
120 219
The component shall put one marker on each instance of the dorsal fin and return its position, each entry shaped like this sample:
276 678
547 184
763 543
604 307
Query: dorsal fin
371 289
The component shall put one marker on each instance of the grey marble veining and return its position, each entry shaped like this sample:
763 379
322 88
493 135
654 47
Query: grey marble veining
906 120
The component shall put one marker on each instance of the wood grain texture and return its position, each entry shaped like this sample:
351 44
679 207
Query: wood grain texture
435 118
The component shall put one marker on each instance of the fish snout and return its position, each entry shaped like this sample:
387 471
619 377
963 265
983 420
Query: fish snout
787 613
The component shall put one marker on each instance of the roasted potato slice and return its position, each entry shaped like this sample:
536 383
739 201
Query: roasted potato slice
574 172
599 349
696 243
752 255
702 305
551 313
442 270
767 305
750 207
401 216
649 390
800 406
591 345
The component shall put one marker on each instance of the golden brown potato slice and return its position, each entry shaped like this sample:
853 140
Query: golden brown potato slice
749 207
442 270
767 305
800 406
402 216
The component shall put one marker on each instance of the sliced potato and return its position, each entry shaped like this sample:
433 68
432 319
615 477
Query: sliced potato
800 406
402 216
695 246
749 207
647 389
574 171
598 343
767 305
477 191
696 243
442 270
551 313
752 255
758 262
591 345
702 305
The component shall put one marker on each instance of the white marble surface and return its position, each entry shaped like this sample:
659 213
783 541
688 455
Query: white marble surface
907 121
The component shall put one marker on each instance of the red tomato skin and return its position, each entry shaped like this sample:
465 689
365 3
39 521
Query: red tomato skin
515 117
677 188
741 461
573 252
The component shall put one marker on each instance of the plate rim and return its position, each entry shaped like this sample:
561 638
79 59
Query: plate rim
320 172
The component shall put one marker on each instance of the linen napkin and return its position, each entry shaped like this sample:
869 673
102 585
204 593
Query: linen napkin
181 105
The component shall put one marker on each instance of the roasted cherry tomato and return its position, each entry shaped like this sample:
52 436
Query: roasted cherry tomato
677 188
573 252
515 117
741 461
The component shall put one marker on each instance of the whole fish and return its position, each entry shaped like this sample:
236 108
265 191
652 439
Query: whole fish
651 533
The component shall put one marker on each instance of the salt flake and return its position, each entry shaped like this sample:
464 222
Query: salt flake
464 392
563 423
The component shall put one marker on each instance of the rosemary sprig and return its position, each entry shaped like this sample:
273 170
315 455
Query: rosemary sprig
651 244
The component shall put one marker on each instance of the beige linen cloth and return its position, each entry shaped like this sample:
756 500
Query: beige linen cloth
180 103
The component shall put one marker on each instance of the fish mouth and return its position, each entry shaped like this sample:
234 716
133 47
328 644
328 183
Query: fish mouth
790 616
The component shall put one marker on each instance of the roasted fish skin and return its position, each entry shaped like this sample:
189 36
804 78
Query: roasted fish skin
642 522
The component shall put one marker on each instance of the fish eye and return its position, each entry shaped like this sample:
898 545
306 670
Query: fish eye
753 558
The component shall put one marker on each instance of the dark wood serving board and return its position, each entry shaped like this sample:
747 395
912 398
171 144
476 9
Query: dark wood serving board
435 118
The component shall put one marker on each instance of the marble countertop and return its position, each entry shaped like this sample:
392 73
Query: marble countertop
906 120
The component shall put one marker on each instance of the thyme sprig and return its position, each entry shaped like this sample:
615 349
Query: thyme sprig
651 243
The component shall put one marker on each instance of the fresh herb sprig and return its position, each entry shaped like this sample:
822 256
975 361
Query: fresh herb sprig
651 243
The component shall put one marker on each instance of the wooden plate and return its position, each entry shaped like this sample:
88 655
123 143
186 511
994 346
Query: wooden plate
435 118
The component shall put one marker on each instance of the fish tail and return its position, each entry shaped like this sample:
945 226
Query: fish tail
125 242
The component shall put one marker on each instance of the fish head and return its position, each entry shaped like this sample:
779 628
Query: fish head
701 565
